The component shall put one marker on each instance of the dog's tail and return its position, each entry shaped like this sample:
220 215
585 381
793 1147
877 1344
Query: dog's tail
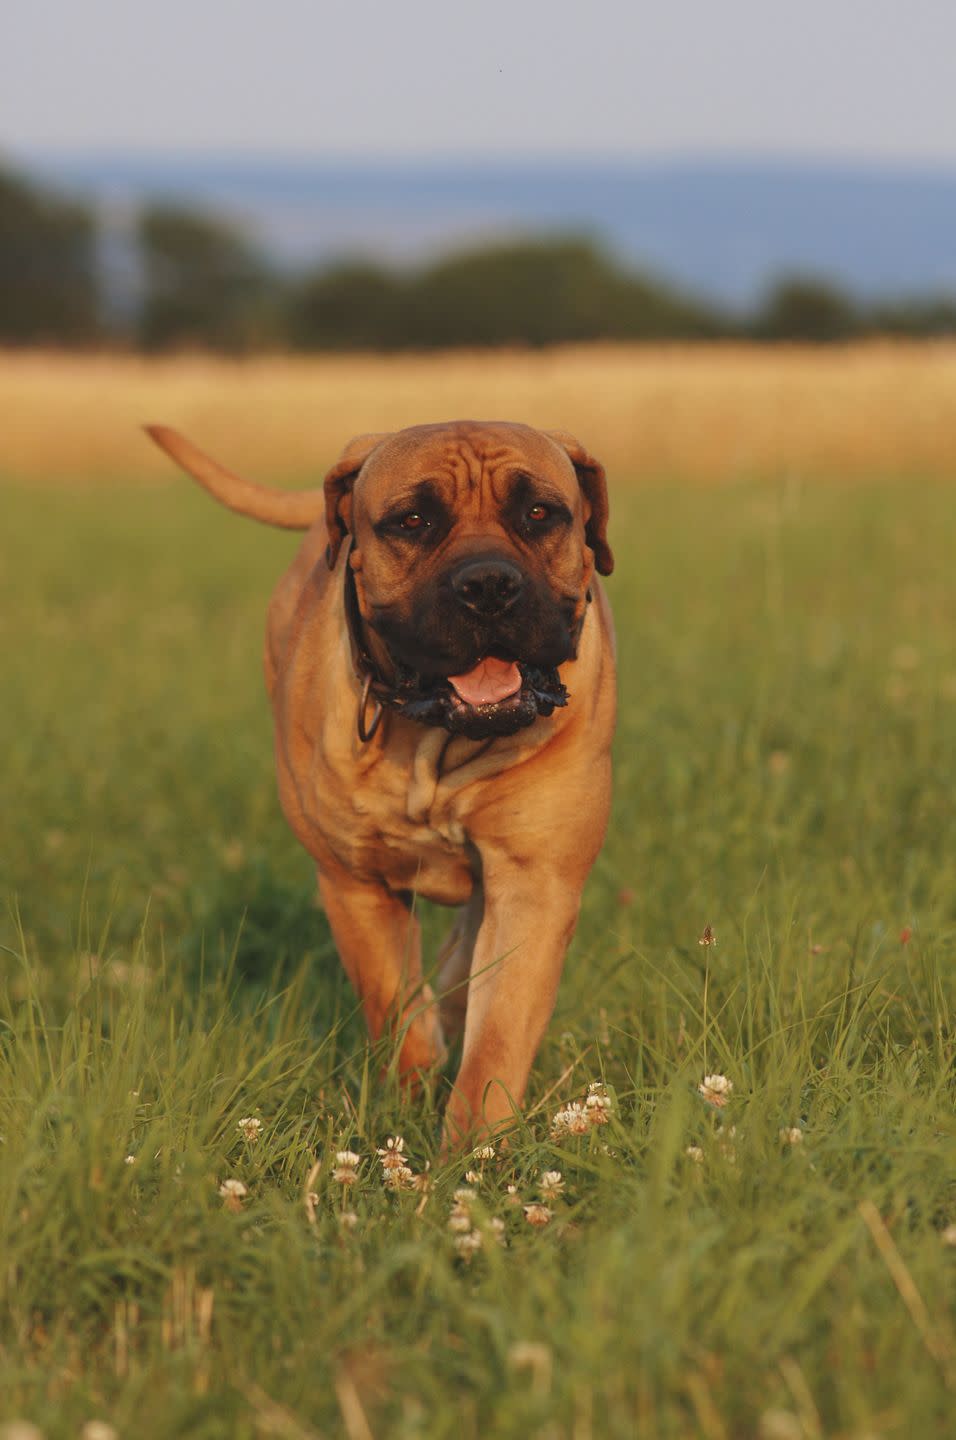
289 509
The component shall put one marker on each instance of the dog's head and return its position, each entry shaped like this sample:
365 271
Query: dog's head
473 546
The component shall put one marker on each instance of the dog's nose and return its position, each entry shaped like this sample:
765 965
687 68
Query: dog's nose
487 587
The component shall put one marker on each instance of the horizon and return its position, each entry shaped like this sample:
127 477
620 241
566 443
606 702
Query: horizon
683 158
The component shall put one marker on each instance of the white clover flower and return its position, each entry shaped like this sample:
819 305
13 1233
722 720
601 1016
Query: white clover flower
421 1182
348 1220
537 1214
598 1106
460 1219
578 1121
695 1153
391 1155
948 1236
559 1121
716 1089
726 1135
791 1135
512 1195
249 1128
20 1430
472 1177
467 1239
484 1152
571 1120
400 1177
497 1228
397 1174
552 1183
780 1425
130 1160
468 1244
346 1167
98 1430
233 1193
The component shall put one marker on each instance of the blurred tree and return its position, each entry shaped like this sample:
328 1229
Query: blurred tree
803 307
48 287
643 307
528 292
204 285
922 316
531 292
353 305
540 292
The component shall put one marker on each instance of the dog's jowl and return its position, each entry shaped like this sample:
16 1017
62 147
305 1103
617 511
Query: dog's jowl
440 660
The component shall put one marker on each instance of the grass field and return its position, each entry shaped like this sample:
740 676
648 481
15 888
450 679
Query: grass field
785 773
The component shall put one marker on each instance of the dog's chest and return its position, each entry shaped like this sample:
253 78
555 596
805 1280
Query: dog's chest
413 824
433 862
398 817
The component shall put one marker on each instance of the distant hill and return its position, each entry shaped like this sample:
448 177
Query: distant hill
722 229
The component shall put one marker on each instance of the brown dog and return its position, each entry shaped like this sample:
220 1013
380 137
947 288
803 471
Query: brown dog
444 703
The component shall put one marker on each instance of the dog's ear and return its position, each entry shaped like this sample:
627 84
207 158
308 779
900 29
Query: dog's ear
593 482
338 490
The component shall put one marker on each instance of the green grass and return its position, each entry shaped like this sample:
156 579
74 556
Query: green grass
786 767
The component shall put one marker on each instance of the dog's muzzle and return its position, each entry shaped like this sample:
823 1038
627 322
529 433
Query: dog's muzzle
432 699
434 702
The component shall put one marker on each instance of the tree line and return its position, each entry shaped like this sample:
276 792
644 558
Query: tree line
201 284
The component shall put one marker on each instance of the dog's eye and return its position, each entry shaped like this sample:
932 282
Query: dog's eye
537 513
413 521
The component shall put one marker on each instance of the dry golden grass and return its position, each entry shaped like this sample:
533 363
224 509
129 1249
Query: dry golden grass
704 413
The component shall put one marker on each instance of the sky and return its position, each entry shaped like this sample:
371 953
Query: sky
842 79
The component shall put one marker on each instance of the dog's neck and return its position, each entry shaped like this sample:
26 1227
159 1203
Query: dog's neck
372 665
369 655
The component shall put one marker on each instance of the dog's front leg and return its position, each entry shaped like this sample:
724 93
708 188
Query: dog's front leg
379 944
528 921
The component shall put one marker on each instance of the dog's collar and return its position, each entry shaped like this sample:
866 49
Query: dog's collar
372 687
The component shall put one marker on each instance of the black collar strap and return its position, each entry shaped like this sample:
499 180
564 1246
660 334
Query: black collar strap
362 662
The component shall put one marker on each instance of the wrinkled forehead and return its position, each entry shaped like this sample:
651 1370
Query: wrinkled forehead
467 457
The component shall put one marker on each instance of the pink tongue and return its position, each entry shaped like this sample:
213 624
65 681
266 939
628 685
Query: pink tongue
491 680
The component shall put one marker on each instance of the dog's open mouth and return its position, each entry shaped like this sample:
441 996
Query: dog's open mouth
490 682
497 696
